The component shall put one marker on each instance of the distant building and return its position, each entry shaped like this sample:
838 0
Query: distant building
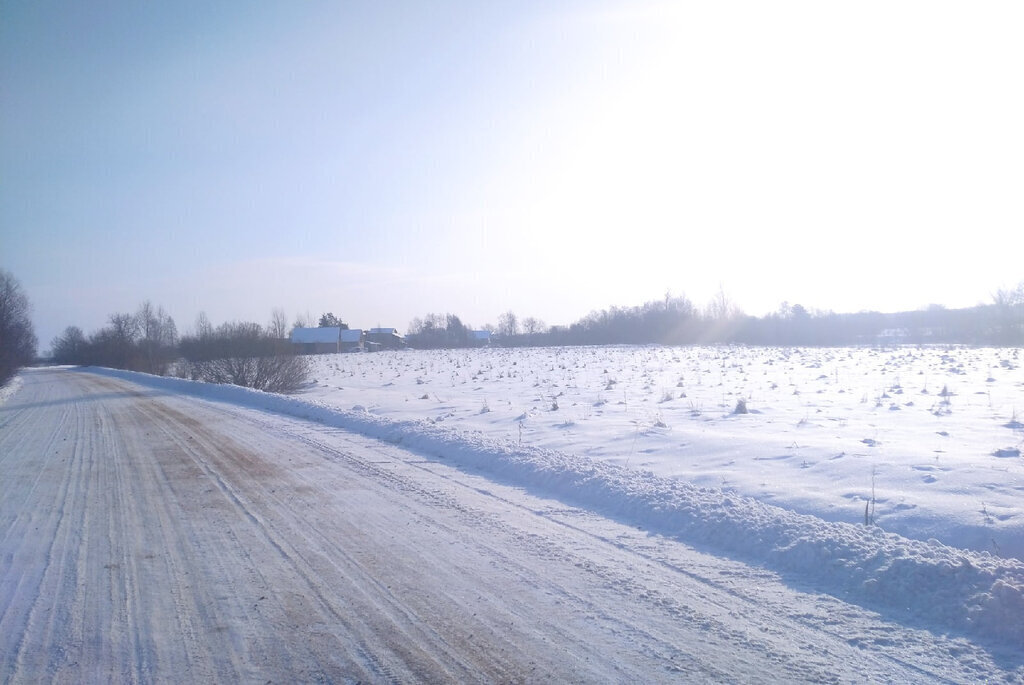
384 339
351 340
327 340
893 336
481 337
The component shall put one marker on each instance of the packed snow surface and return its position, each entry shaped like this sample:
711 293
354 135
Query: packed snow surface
651 436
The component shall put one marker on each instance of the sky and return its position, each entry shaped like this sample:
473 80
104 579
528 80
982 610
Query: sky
382 161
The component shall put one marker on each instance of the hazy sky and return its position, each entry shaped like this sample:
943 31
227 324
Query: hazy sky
383 160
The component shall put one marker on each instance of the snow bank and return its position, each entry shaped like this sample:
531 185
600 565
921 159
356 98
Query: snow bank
7 391
944 587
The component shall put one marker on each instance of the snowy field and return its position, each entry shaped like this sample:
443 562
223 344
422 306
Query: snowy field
928 439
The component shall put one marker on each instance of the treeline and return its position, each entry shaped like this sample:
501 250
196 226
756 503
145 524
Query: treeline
681 325
261 357
144 341
677 321
245 354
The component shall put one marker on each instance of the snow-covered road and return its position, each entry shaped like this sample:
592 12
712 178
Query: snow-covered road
146 535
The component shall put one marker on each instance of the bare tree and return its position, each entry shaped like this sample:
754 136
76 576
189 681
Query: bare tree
125 327
508 324
721 307
434 322
158 338
69 347
17 337
532 326
278 327
204 329
1005 298
146 320
1009 306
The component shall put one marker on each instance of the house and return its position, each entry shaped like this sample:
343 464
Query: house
326 340
351 340
384 339
481 338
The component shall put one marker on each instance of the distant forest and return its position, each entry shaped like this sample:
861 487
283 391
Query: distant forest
676 321
671 325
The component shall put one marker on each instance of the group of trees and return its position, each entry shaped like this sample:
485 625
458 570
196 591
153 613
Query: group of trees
245 354
510 327
17 337
144 341
239 353
670 321
673 320
447 330
438 330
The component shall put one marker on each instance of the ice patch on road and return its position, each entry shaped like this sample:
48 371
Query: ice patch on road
944 587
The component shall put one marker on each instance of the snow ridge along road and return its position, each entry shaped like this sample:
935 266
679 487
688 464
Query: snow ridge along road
150 535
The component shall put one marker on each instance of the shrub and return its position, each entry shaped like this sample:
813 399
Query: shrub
243 354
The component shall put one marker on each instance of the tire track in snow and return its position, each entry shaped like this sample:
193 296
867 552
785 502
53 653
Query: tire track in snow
202 610
215 460
32 573
89 606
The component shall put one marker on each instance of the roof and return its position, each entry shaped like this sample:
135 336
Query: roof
328 334
482 335
351 336
383 331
